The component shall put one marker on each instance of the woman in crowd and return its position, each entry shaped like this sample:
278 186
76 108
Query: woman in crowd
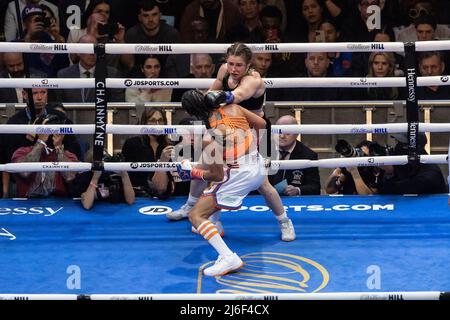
147 148
381 64
151 68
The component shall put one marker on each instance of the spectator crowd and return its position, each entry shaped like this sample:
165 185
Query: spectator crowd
208 21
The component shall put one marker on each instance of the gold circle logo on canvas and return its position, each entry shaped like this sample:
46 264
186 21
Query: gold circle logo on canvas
274 272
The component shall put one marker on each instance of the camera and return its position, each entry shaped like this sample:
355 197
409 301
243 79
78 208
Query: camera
107 29
46 21
346 149
115 187
118 157
375 149
51 118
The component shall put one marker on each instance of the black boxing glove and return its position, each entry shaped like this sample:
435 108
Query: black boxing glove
214 98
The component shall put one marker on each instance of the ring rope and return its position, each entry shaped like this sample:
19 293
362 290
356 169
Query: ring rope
381 128
171 166
185 48
400 295
173 83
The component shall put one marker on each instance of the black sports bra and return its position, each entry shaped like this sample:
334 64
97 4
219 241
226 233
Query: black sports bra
250 103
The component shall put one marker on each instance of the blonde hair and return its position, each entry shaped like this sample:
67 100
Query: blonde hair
390 58
383 93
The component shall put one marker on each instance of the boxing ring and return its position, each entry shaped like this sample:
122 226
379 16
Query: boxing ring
347 247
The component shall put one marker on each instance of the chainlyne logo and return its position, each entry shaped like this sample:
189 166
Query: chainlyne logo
55 165
44 83
363 82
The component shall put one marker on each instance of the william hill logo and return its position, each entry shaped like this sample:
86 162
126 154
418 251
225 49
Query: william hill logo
377 46
165 48
380 130
270 47
60 47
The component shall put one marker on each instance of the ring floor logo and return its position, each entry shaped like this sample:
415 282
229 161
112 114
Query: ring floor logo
6 233
320 207
268 272
155 210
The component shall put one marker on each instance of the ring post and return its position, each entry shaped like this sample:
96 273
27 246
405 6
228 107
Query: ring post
412 109
100 106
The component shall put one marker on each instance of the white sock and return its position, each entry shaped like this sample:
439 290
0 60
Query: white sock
282 216
192 200
209 231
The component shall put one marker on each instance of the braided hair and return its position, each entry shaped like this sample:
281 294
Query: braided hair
193 101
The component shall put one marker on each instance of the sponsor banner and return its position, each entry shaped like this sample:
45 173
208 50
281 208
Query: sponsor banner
155 210
61 48
339 128
101 106
364 82
412 109
32 211
374 46
299 82
164 48
53 83
433 81
47 166
177 48
159 131
159 83
270 47
60 130
370 130
321 207
302 82
151 165
46 47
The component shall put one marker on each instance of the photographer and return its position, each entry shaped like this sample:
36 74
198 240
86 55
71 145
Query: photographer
97 22
410 178
41 29
103 186
46 148
11 27
401 179
352 180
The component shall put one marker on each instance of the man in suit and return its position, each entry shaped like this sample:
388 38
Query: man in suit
15 68
85 68
202 67
299 181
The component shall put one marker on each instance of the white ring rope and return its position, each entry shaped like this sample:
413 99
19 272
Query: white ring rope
400 295
171 166
32 47
58 83
118 48
50 83
188 48
180 83
200 129
435 45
